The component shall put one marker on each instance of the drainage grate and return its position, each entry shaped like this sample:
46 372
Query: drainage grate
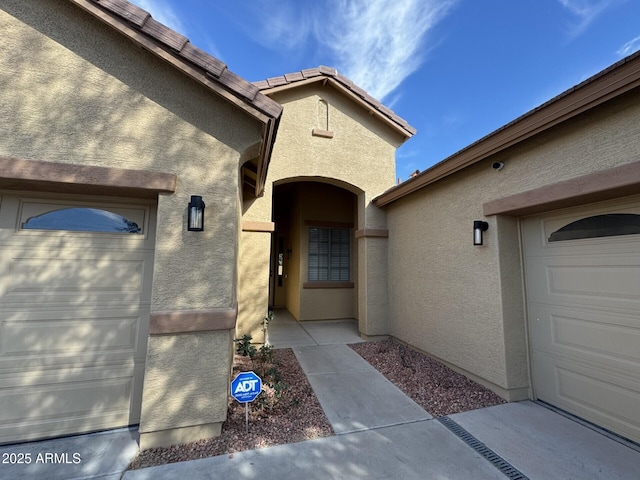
496 460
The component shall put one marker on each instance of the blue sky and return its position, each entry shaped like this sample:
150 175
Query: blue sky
454 69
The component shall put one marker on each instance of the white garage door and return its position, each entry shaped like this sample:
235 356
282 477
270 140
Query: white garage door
75 288
583 288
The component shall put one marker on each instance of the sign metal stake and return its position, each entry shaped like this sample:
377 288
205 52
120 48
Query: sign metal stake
245 388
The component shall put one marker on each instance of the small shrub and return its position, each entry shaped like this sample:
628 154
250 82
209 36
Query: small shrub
264 365
244 346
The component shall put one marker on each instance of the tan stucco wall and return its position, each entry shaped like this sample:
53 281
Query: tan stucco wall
74 91
360 158
177 392
464 304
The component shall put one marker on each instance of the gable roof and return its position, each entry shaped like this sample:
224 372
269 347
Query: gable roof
342 83
174 48
618 79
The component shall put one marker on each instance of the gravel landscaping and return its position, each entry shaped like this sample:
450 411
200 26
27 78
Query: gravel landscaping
429 383
297 416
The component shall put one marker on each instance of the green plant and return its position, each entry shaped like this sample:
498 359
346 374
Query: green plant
244 346
266 367
267 319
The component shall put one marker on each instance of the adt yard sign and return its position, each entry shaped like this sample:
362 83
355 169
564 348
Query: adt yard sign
246 387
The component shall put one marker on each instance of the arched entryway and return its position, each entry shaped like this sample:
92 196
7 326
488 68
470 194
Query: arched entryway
314 265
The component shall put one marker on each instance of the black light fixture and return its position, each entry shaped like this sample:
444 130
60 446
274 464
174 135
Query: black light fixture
478 227
195 214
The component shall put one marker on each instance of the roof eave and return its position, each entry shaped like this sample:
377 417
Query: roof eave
616 80
406 133
325 74
239 92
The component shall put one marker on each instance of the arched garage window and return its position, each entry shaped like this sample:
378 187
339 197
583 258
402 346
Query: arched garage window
609 225
82 220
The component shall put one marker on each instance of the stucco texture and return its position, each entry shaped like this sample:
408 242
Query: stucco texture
359 158
465 304
186 385
74 91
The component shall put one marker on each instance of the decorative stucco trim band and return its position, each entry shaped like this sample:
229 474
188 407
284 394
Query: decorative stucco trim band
321 133
18 173
252 226
603 185
190 321
372 232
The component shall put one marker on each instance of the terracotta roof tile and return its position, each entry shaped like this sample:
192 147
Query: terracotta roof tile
262 84
202 59
311 72
328 71
276 81
126 10
164 34
239 85
293 77
182 49
345 81
332 73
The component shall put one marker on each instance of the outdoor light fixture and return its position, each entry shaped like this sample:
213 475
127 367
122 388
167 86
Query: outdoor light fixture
195 214
478 227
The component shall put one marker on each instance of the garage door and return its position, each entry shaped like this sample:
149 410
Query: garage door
75 288
583 287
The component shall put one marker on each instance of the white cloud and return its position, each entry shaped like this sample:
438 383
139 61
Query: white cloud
585 11
376 43
379 43
630 47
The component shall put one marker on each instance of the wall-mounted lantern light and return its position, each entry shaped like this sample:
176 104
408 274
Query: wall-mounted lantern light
478 227
195 214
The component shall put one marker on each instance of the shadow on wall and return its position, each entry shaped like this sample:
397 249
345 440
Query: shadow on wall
98 100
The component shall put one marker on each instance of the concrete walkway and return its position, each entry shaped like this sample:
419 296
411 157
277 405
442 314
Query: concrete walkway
383 434
380 433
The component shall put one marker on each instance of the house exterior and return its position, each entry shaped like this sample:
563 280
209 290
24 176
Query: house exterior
113 313
549 306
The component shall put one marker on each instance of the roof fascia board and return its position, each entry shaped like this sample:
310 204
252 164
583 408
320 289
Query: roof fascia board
612 83
270 131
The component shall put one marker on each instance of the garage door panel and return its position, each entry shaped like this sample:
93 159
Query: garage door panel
593 280
596 336
50 280
65 400
58 337
598 395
